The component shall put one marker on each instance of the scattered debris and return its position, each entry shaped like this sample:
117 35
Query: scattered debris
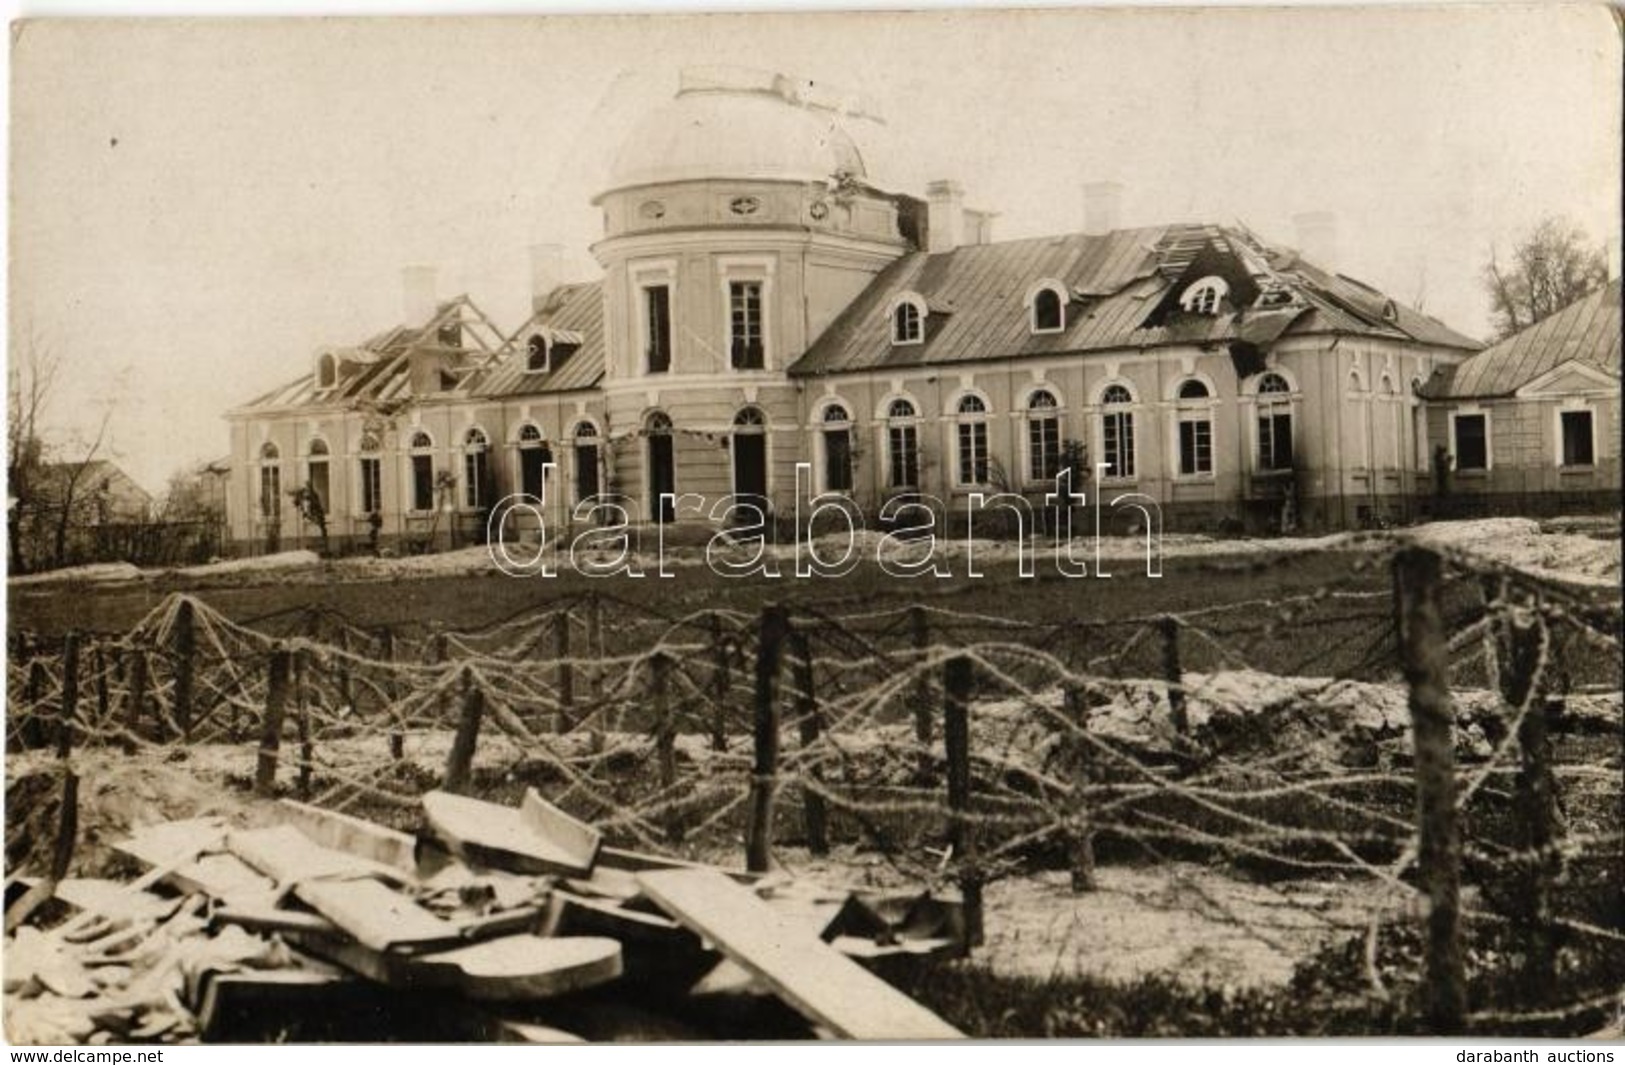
492 912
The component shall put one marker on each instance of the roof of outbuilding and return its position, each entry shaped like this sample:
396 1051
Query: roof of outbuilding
1117 282
1587 330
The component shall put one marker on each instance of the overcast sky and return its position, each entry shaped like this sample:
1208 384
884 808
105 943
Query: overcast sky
197 207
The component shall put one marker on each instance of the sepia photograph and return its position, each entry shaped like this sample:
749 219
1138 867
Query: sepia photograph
953 524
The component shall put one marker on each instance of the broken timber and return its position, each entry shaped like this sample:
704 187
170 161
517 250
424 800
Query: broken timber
536 838
806 972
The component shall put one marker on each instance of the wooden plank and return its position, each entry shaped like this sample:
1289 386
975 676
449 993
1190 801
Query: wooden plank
188 851
576 838
343 888
510 969
497 837
656 950
353 835
829 989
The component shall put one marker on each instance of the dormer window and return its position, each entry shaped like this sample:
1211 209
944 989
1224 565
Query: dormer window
1390 311
1205 296
908 320
1046 305
536 354
327 371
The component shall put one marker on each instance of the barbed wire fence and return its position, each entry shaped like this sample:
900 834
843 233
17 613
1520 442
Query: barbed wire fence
1453 729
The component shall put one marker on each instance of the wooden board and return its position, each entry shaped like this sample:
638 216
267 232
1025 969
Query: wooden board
498 837
352 835
344 889
509 969
655 949
826 987
193 853
576 838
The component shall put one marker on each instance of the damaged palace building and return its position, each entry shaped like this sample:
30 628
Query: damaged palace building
767 301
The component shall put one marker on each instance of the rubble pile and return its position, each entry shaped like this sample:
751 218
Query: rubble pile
492 923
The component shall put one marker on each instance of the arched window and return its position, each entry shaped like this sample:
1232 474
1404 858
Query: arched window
1117 432
750 420
1274 423
972 438
1194 419
837 440
476 469
270 482
585 439
1049 311
422 463
371 495
1043 436
536 354
534 455
316 471
327 371
902 444
1205 296
908 321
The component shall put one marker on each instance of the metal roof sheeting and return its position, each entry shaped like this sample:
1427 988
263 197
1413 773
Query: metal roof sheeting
1588 331
572 312
1117 280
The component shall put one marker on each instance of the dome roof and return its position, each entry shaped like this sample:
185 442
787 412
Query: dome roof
735 134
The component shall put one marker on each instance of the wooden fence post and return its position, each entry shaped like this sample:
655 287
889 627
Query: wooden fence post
759 830
32 730
437 650
1424 660
665 739
566 669
137 706
919 623
1523 685
386 652
721 685
185 651
301 701
595 646
460 764
814 817
70 695
276 705
101 665
956 685
1077 757
1174 674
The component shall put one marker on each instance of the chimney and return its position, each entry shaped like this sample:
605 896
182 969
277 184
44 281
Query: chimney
1102 207
1317 238
979 226
945 223
418 296
546 272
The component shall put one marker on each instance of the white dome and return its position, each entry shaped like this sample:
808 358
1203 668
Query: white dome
740 135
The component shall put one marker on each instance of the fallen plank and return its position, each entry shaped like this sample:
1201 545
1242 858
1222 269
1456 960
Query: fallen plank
352 835
576 838
826 987
510 969
655 949
345 889
499 837
189 852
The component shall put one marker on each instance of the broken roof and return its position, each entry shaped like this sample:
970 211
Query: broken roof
573 319
1586 331
977 295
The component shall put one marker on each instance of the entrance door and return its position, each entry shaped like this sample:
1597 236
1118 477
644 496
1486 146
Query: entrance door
750 468
662 469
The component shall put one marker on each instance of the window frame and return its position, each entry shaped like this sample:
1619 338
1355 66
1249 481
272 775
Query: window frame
1118 414
910 302
322 458
1270 406
1193 419
270 483
842 427
971 446
1210 285
1036 472
420 450
1562 438
904 430
1053 288
537 345
1456 416
476 467
757 270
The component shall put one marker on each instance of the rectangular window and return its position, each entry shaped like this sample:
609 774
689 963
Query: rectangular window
1472 442
1119 444
372 485
474 469
1195 447
422 482
904 455
745 324
270 491
1043 449
1275 441
1578 449
837 460
657 327
586 471
973 453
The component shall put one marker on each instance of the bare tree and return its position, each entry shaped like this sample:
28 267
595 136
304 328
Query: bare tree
1551 267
